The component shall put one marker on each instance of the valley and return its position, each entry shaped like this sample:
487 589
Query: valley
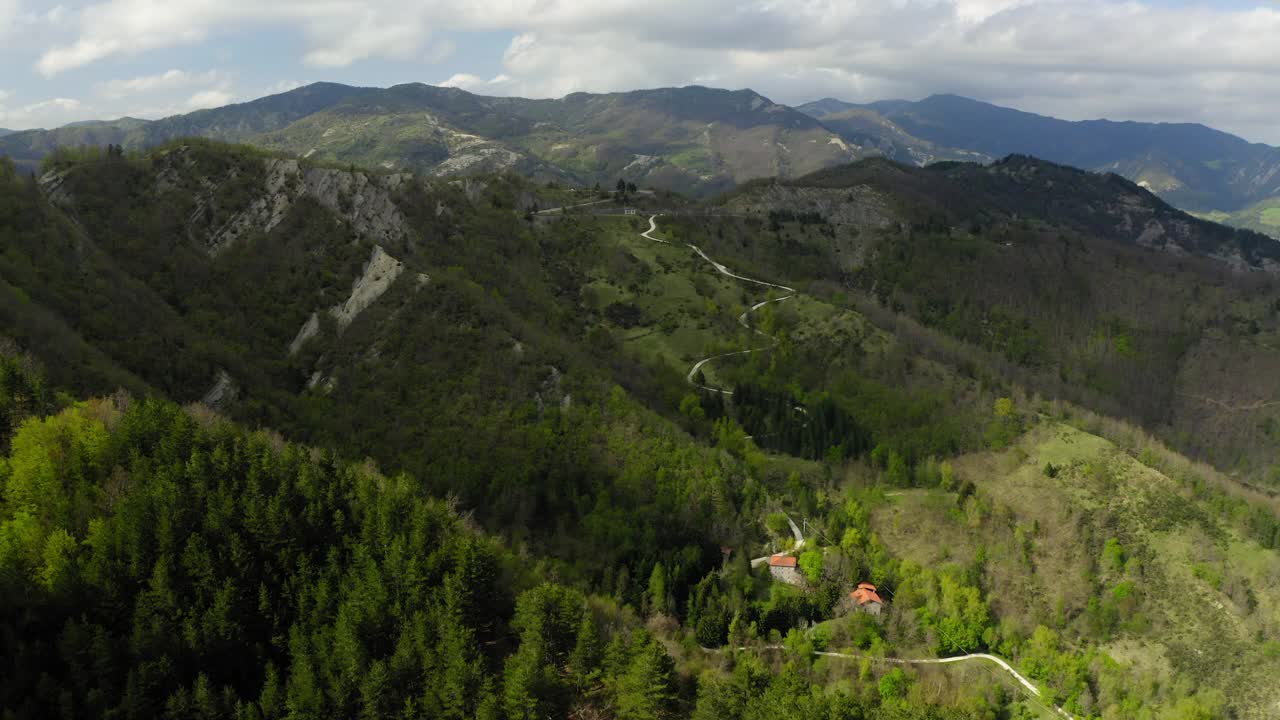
495 446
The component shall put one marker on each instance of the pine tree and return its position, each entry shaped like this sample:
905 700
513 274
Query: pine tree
657 589
644 691
588 651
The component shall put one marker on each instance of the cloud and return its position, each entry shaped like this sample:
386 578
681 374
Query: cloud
8 14
338 33
46 113
1139 59
209 99
282 87
169 80
474 83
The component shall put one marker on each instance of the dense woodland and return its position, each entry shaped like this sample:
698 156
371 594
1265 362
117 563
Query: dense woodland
497 504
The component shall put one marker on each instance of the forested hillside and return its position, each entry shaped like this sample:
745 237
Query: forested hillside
1083 286
287 439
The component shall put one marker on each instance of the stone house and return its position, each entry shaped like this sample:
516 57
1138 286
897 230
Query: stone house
867 599
783 568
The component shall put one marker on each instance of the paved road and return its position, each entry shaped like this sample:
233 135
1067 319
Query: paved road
1022 680
742 319
756 562
1035 691
561 209
1259 405
795 530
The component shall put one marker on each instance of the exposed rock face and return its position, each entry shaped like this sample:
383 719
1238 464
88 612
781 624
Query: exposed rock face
379 273
1139 222
308 331
490 159
552 391
362 200
222 394
54 185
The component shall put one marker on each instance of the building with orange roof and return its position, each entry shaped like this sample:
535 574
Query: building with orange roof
784 568
867 598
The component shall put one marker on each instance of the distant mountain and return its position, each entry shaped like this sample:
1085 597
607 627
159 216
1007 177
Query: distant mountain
873 133
124 123
696 140
1262 216
692 139
5 131
1191 166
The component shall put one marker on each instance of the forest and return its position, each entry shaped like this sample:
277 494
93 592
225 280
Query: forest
494 494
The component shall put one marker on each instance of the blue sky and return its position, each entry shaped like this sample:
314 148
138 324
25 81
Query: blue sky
1158 60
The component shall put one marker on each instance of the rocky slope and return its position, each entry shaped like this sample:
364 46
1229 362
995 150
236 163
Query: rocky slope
1015 190
1086 285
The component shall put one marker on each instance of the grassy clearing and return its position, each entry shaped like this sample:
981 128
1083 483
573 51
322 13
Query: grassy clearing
1200 604
686 310
690 311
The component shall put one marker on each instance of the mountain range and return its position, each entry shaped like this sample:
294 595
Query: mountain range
697 140
1191 166
690 139
546 431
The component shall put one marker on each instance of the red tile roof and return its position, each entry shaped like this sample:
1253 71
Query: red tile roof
864 596
866 586
782 561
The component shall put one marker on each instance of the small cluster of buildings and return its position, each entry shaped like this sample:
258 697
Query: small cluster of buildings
866 598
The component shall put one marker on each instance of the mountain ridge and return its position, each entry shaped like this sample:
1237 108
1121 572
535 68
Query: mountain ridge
694 139
1189 164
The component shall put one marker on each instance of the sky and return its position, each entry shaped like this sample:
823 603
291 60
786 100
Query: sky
1215 62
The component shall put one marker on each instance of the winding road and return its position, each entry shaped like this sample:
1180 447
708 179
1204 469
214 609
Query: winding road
1031 688
1022 680
795 530
1259 405
742 319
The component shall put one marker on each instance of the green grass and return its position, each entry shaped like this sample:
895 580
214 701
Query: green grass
694 159
1263 217
1042 539
680 325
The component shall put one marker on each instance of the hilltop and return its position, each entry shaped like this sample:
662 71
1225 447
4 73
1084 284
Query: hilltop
490 484
694 139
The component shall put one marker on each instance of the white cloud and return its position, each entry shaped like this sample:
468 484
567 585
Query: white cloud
8 13
476 84
1140 59
338 33
169 80
209 99
46 114
282 87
